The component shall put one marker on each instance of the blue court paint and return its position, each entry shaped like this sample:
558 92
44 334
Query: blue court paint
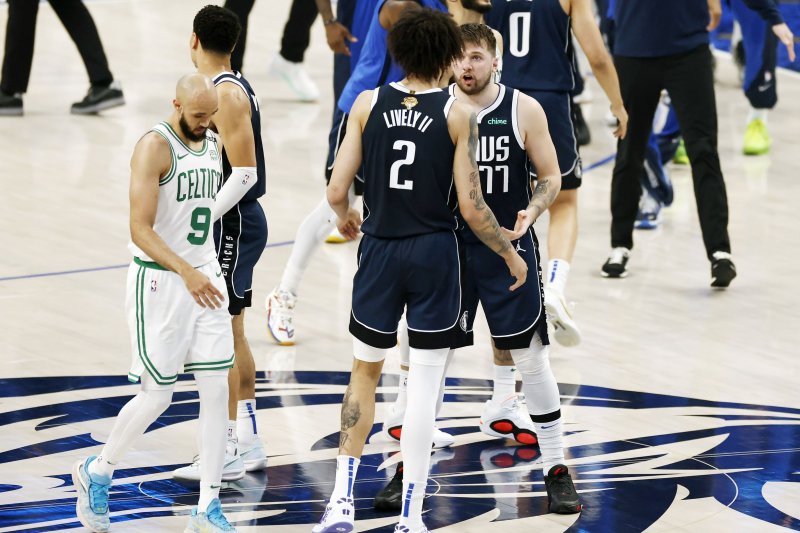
606 160
98 269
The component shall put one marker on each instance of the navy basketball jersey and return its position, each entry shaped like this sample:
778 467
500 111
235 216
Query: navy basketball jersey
257 190
502 160
408 164
538 49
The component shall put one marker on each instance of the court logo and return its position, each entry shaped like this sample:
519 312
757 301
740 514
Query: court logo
639 459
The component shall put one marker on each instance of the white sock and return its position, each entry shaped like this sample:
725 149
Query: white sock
402 393
551 442
760 114
505 383
131 423
346 470
424 380
213 389
246 427
542 396
311 232
557 273
232 443
413 496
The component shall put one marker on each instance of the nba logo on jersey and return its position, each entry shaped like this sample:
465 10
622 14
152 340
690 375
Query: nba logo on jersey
153 285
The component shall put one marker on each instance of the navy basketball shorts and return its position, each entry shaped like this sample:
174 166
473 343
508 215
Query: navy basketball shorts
558 109
513 316
335 138
240 236
420 274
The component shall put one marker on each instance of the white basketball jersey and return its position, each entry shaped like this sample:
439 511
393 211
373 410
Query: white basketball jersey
185 198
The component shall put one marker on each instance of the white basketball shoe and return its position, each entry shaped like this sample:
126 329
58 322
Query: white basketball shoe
280 314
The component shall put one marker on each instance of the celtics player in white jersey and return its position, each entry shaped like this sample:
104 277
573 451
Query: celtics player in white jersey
175 301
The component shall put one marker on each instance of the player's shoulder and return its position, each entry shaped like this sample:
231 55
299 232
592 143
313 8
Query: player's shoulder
153 141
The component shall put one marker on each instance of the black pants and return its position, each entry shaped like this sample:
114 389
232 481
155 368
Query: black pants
20 33
296 33
689 79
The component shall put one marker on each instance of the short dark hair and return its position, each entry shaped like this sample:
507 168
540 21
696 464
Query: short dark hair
425 43
480 34
217 28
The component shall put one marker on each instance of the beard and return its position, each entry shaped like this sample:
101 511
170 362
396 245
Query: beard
477 85
475 5
188 133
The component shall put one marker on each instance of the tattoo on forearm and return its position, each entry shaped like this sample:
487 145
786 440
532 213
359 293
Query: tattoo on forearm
543 195
488 230
351 413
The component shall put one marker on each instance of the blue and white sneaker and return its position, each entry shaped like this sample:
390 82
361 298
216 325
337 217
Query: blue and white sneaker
92 504
211 521
649 214
339 517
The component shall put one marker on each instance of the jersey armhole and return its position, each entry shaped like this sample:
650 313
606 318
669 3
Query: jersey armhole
448 105
374 98
173 160
515 118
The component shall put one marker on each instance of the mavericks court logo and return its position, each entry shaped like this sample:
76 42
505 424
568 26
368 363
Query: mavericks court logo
640 460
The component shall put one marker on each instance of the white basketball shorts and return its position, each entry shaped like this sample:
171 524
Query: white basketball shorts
169 330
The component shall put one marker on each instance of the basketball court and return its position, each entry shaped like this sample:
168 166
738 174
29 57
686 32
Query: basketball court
681 404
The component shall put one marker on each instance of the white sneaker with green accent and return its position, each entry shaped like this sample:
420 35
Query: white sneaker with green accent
232 469
253 455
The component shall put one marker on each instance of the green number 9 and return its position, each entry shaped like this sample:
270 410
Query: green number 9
201 222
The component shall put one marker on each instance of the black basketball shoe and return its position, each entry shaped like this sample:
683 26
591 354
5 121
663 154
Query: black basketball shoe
616 264
561 495
10 105
99 98
390 499
722 270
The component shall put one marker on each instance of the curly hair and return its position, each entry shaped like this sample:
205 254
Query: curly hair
479 34
425 43
217 29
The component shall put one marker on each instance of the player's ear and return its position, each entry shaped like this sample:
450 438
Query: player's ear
176 104
193 41
495 63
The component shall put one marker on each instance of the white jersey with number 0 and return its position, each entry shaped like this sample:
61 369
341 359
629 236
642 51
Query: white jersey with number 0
185 198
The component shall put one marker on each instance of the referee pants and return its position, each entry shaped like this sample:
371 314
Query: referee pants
20 33
689 79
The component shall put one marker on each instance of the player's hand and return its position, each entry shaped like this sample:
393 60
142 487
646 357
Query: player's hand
519 270
338 36
350 225
525 220
715 14
202 290
784 34
622 120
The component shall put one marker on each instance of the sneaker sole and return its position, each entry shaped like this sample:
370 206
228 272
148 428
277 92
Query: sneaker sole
231 476
613 276
11 112
76 481
487 430
102 106
566 331
335 240
338 527
387 435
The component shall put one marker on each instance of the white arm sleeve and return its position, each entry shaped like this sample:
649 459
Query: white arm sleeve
238 183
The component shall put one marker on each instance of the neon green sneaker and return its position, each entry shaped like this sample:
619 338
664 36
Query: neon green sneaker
756 138
681 157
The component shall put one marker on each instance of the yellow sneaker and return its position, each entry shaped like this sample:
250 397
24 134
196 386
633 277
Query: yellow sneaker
756 138
680 157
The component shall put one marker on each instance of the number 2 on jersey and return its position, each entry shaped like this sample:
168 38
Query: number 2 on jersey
394 172
519 34
201 222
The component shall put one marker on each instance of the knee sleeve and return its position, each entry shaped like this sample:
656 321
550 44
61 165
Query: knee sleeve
538 382
369 354
533 361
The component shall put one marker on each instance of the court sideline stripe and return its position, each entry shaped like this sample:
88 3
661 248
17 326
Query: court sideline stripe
592 166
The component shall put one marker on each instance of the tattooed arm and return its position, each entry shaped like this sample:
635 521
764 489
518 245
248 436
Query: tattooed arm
463 128
540 150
